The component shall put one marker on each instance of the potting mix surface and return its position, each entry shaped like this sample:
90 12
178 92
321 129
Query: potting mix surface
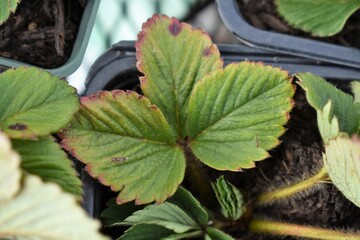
41 32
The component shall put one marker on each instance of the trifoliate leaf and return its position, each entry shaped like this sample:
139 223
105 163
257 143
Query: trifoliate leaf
216 234
148 231
128 145
328 126
167 215
173 56
230 199
320 17
342 160
6 8
319 93
355 87
9 170
237 114
33 103
187 202
115 214
44 158
42 211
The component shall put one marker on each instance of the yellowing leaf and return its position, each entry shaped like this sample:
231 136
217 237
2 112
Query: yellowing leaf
173 56
320 17
33 103
342 159
9 169
237 114
43 212
128 145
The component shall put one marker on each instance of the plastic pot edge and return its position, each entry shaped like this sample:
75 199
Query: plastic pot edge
236 23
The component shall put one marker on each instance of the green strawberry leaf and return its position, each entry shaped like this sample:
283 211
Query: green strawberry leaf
188 203
230 199
9 169
33 103
42 211
355 87
342 159
216 234
328 127
182 214
319 93
128 145
173 56
146 232
167 215
237 114
152 231
321 17
6 8
115 214
44 158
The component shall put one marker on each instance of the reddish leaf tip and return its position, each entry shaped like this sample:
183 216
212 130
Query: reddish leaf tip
154 107
117 93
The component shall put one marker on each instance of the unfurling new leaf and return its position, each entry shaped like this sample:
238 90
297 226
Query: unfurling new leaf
230 199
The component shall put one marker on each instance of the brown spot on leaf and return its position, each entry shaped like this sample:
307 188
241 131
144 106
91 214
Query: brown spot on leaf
207 52
18 127
119 159
175 27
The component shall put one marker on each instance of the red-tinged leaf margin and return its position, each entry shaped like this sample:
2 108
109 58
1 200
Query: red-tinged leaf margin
101 177
195 134
146 27
176 115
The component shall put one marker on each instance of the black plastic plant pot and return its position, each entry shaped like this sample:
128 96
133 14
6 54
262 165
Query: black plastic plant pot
116 69
79 48
231 15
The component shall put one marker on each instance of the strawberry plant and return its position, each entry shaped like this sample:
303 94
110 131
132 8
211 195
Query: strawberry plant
193 111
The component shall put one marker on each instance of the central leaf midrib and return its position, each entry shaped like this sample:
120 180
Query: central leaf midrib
125 136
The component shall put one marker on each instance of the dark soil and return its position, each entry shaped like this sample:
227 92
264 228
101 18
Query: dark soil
41 32
262 14
299 156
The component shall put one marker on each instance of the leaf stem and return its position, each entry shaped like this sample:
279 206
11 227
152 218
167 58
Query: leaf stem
288 191
199 180
286 229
